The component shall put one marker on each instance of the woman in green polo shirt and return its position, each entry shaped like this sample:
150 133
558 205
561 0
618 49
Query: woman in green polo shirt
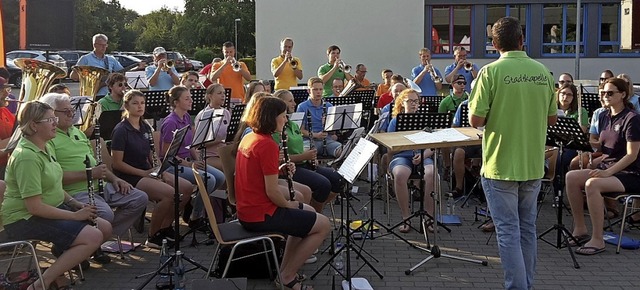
35 206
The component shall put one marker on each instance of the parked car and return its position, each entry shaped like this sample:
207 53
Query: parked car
197 65
127 61
179 60
53 57
71 57
147 58
15 73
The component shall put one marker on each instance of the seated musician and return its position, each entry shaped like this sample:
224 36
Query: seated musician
619 141
190 80
267 85
133 155
6 95
160 76
117 84
261 206
325 143
451 102
461 154
325 183
591 160
635 99
386 82
385 113
403 163
387 98
360 78
332 70
71 148
35 205
179 99
59 89
252 88
215 95
336 87
564 78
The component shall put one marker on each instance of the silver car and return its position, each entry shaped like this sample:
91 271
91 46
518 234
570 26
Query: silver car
54 57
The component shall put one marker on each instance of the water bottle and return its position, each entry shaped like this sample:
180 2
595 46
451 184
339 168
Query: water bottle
178 272
338 261
163 281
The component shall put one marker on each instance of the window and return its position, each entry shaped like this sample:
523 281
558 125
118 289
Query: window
559 29
450 27
495 12
609 36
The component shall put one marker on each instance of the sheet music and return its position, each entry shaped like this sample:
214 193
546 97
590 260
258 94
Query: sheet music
355 136
137 79
81 105
203 132
335 116
445 135
297 118
357 159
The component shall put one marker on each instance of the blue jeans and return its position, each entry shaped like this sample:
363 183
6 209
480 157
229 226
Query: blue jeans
513 209
214 181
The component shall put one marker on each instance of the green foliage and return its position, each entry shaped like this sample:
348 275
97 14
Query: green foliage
205 55
251 64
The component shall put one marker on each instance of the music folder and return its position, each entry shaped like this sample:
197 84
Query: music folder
178 138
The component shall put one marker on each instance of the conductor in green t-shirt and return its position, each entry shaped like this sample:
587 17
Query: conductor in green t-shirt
513 100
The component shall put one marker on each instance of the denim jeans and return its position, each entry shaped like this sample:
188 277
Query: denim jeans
513 209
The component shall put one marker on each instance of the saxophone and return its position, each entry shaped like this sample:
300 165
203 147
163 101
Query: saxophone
312 163
90 190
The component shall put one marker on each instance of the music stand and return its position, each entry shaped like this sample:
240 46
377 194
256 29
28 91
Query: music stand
566 133
351 168
227 98
199 101
234 122
171 160
108 120
156 106
297 118
343 117
434 99
137 79
80 105
368 105
299 95
591 102
429 107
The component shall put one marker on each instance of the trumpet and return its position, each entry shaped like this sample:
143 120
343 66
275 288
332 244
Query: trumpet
236 65
293 63
346 68
168 65
468 66
432 72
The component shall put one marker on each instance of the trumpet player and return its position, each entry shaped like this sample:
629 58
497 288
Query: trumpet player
462 67
425 75
334 69
160 74
286 69
230 72
71 147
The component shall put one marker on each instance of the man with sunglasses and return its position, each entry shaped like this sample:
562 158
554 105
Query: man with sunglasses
98 58
458 95
117 84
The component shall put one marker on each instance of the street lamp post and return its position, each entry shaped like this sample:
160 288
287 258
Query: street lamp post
236 31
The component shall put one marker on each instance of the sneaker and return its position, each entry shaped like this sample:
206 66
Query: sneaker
311 259
155 242
101 258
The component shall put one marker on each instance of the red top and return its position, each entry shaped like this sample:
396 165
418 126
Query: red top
384 100
205 72
257 157
7 119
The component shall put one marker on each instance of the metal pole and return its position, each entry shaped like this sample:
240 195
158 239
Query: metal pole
578 39
236 31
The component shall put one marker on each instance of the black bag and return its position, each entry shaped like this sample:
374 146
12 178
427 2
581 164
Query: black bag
254 267
18 280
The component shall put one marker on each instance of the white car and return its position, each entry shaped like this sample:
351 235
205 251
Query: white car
54 57
197 65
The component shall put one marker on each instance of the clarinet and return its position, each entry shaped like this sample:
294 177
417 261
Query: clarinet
286 162
96 133
312 163
324 119
152 145
92 197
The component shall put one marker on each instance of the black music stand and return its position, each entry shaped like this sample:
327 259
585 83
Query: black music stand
171 160
566 133
299 95
367 99
199 101
156 106
108 120
591 102
351 168
234 123
227 98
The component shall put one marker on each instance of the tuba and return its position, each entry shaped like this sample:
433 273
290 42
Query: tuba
90 82
37 76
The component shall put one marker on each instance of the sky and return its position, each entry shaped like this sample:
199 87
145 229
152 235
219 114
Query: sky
146 6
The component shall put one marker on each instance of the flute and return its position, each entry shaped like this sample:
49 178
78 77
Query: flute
286 162
92 197
314 162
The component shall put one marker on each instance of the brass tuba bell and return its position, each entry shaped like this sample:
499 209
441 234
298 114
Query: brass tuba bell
91 79
37 76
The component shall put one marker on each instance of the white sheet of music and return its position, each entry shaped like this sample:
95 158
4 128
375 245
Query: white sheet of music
358 158
202 131
353 113
445 135
297 118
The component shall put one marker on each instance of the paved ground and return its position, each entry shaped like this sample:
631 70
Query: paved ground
554 270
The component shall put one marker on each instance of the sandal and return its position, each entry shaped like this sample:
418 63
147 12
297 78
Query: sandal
405 227
579 240
299 278
295 282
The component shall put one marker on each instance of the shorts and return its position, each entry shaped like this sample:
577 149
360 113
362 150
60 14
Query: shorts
629 180
406 162
473 151
61 233
289 221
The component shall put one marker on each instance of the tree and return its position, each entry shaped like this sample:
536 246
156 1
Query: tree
158 28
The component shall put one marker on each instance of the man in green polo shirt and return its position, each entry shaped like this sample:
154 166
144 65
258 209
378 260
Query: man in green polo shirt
513 99
332 70
117 84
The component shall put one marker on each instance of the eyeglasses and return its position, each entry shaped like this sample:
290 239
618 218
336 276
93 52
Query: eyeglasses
461 83
562 82
412 102
68 112
608 93
566 94
48 120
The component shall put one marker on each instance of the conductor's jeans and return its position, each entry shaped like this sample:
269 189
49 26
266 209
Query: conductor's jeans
512 205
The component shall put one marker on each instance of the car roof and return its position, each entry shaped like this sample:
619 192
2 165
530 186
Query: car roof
32 51
133 58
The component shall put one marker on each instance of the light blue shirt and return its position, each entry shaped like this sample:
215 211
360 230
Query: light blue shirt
427 85
164 81
467 74
108 62
316 115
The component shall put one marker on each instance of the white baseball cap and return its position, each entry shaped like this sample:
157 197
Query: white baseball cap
159 50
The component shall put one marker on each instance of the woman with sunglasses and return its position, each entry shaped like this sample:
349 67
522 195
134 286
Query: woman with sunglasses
35 205
402 163
179 99
619 171
133 161
451 102
261 206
